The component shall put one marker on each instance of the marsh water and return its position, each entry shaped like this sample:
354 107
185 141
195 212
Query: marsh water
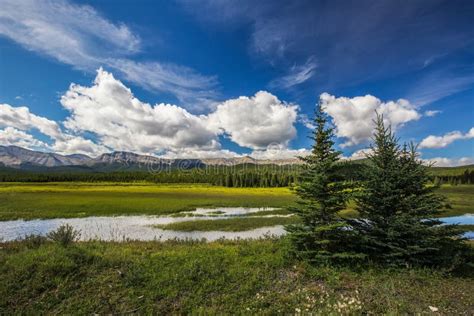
121 228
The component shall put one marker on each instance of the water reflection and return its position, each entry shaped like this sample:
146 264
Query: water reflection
466 219
121 228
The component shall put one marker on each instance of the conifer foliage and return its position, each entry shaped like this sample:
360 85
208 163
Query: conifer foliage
322 235
398 206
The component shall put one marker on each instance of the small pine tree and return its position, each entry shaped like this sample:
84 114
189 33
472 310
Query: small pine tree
398 205
322 235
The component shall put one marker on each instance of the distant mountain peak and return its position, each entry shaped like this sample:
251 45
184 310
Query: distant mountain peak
14 156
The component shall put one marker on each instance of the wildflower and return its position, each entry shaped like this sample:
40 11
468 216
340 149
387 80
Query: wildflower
433 309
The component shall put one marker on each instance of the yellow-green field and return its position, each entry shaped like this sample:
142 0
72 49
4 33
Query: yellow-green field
50 200
194 277
230 224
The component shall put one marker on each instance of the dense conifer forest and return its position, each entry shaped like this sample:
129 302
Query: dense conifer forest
246 175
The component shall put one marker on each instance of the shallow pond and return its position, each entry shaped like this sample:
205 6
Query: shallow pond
120 228
466 219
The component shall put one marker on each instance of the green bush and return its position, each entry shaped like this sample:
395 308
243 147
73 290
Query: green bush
34 241
64 235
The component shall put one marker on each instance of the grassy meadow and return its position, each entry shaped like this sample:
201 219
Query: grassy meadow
190 277
234 224
52 200
460 198
226 277
66 200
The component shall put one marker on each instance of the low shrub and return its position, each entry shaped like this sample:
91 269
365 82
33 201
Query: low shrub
64 235
34 241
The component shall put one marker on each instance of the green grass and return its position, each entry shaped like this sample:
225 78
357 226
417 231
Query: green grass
76 199
270 212
211 278
460 197
50 200
233 224
466 228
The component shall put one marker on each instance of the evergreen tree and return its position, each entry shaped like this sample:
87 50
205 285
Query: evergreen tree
322 235
398 206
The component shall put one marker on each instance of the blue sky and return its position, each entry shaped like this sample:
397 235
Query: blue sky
223 78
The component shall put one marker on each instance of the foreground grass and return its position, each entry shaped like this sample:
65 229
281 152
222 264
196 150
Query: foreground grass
460 198
221 277
233 224
50 200
76 199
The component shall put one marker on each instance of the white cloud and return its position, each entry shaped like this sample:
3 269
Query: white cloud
18 120
21 118
122 122
73 34
449 162
15 137
306 121
80 36
199 154
360 154
256 122
279 152
78 145
193 89
296 75
431 113
439 84
443 141
118 121
353 117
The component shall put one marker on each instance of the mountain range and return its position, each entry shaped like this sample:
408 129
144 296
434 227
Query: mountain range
22 158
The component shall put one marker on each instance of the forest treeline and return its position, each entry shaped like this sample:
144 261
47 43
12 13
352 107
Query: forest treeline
466 177
228 176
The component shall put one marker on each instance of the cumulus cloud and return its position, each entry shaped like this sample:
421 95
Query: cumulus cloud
199 154
449 162
275 152
256 122
359 154
80 36
443 141
121 121
21 118
78 145
17 121
13 136
117 120
353 117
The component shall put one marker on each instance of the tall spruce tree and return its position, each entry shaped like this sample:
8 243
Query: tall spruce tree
322 235
398 205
